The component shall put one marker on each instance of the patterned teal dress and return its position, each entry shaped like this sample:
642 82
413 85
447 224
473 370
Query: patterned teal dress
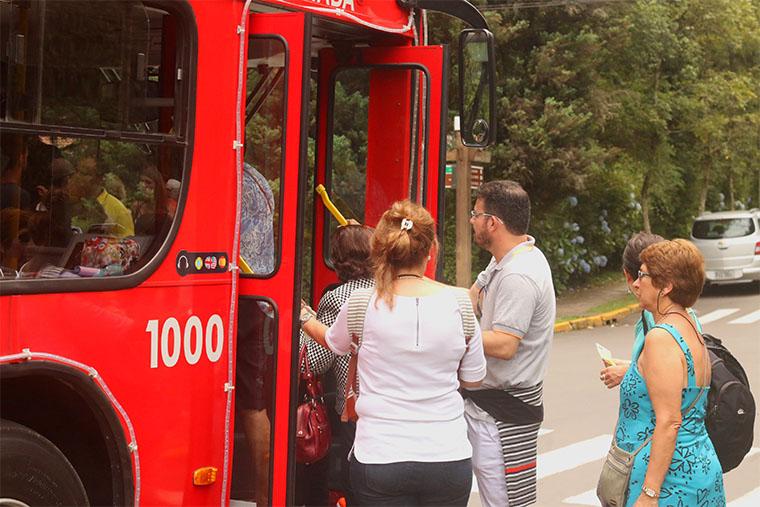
695 477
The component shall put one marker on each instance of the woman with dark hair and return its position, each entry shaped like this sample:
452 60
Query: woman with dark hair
350 255
149 208
612 374
411 444
663 395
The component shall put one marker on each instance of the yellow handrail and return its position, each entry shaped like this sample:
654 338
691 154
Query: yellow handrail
330 206
244 267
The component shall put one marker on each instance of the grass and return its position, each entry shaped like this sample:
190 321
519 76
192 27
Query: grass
615 304
605 307
599 280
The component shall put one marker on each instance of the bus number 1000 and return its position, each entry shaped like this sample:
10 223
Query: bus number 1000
193 340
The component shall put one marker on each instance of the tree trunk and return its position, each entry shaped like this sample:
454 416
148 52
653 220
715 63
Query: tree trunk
731 198
706 171
645 201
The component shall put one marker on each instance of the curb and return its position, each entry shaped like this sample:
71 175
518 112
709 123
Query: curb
602 319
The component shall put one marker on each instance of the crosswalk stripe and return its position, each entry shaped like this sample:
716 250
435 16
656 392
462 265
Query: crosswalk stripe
716 315
747 319
572 456
586 498
751 499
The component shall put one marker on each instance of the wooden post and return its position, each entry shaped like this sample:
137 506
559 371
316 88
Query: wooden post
463 231
464 156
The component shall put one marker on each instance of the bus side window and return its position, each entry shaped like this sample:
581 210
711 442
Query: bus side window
78 201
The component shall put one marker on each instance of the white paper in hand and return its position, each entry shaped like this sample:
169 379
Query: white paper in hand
605 354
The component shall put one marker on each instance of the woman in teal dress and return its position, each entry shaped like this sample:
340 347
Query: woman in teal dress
669 369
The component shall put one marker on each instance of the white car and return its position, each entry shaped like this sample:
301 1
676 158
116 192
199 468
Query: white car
730 243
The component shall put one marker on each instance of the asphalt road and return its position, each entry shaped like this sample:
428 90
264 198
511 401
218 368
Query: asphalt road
581 412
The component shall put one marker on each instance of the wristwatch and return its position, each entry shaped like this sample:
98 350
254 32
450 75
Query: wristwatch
650 492
306 315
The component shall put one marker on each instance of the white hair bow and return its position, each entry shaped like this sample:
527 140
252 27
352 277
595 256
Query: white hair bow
406 224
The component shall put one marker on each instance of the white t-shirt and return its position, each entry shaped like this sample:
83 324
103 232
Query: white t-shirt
410 363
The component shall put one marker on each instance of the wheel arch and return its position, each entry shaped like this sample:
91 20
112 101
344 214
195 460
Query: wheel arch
68 408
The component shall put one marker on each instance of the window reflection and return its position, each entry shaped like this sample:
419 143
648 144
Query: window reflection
105 66
265 118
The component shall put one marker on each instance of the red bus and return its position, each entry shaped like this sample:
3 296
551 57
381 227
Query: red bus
128 130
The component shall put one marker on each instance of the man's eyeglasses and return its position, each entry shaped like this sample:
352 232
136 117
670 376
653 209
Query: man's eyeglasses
476 214
642 274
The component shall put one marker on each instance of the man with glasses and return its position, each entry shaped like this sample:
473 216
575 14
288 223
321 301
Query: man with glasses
515 298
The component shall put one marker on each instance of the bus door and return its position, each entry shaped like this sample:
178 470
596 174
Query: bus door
274 99
382 117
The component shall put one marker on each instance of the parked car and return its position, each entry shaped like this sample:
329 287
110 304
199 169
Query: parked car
730 243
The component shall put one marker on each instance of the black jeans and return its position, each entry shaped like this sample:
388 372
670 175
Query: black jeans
412 483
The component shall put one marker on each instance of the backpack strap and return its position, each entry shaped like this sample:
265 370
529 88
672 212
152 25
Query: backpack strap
644 322
468 315
358 303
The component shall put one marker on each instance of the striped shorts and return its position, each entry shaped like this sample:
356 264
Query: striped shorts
511 446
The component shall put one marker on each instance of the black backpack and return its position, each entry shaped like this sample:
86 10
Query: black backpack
730 414
730 406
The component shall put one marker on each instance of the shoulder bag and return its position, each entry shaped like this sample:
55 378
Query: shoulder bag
313 435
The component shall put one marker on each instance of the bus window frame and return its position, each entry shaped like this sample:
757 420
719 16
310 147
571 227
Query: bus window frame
281 198
419 177
185 95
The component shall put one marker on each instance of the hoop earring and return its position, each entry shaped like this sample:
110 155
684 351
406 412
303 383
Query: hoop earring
665 312
658 302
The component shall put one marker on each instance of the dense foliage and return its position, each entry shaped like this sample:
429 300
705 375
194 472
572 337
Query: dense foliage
621 116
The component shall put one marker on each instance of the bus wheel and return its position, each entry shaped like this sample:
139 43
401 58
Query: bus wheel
33 471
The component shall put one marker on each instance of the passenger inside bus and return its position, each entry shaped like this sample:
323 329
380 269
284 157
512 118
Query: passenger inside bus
14 153
149 208
87 190
255 350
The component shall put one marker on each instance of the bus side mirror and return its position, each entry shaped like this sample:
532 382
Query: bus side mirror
477 87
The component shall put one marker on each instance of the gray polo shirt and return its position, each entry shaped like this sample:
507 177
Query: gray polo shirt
518 298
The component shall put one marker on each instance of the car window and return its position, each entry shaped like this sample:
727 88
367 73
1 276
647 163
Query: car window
723 228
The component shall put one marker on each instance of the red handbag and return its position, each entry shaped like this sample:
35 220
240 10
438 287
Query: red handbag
313 435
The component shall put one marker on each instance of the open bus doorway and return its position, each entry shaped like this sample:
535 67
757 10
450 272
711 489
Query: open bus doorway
259 248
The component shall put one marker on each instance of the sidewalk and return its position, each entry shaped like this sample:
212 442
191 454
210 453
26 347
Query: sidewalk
600 304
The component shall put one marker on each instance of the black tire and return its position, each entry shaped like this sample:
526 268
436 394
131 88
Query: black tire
34 471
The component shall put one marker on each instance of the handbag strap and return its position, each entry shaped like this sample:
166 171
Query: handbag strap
303 363
683 416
